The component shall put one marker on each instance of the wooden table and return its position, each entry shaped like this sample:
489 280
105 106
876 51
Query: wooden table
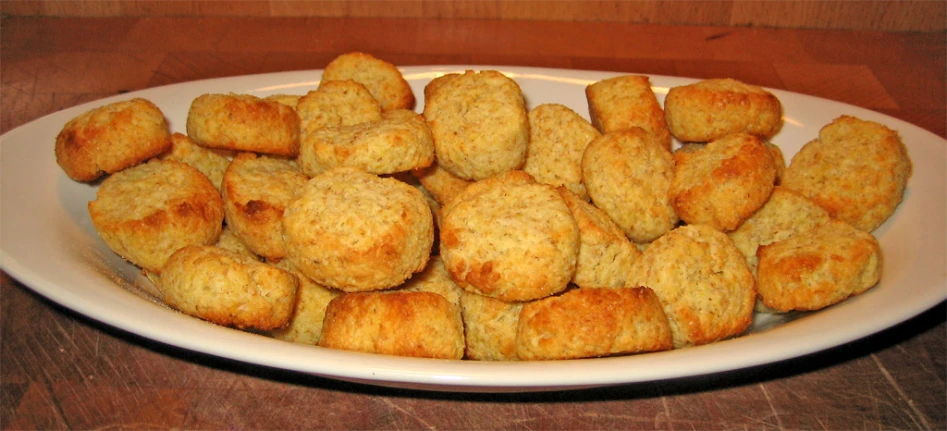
61 370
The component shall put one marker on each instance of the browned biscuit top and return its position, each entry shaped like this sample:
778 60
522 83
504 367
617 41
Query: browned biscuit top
856 169
585 323
417 324
510 238
110 138
243 122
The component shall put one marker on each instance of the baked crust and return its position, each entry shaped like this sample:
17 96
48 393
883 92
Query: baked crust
110 138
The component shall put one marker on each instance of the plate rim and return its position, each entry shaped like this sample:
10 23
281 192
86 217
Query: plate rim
416 372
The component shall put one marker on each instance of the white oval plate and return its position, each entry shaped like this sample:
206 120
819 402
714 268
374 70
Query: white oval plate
49 244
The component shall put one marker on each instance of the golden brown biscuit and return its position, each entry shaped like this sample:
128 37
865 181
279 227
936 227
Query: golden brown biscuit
479 123
605 253
382 79
557 139
627 174
489 327
312 299
210 162
713 108
723 183
785 214
435 279
701 278
779 161
335 104
818 268
440 183
354 231
856 169
256 190
509 238
230 241
417 324
400 142
147 212
627 101
110 138
290 100
227 288
243 122
587 323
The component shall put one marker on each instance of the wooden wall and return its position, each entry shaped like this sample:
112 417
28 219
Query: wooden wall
887 15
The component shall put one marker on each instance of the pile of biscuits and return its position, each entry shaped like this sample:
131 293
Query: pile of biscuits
481 228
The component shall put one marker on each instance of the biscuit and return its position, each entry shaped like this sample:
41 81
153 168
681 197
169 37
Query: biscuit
147 212
435 279
627 174
228 289
779 161
243 122
724 182
702 281
627 101
416 324
587 323
382 79
400 142
557 139
818 268
110 138
312 299
489 327
256 190
210 162
230 241
440 183
785 214
856 169
510 238
334 104
354 231
605 253
290 100
713 108
479 123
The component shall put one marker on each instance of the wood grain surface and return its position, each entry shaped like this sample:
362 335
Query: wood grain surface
885 15
61 370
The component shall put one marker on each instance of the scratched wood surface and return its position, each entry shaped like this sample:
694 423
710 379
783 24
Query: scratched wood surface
61 370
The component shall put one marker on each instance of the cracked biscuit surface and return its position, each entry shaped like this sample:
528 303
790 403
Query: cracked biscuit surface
818 268
256 190
401 141
722 183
